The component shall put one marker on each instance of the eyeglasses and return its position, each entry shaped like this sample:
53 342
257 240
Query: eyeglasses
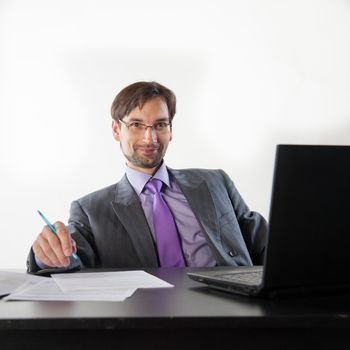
138 128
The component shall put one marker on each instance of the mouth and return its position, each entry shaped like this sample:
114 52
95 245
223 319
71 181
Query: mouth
148 150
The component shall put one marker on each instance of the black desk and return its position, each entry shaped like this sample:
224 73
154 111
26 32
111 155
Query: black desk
187 316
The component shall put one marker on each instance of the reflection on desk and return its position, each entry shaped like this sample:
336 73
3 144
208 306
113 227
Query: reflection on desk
188 315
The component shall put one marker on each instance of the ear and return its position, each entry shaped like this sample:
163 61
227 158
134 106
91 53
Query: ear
171 134
115 130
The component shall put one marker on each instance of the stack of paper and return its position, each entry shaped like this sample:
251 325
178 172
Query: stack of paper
101 286
9 281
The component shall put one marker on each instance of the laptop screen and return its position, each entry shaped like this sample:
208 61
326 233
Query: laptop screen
309 224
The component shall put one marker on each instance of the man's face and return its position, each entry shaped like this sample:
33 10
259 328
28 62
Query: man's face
144 150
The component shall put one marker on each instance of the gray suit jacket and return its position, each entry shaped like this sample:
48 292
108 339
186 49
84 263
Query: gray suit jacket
111 230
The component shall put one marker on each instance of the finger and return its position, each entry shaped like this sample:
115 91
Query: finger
45 253
64 237
46 257
39 253
53 247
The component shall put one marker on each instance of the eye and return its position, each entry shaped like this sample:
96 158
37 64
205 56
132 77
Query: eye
160 125
135 125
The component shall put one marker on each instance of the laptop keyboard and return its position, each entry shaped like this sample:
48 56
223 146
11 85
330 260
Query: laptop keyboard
253 277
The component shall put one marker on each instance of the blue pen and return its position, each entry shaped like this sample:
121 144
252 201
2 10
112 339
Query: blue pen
53 229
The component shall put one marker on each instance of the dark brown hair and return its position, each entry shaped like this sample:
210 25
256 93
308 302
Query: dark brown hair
137 94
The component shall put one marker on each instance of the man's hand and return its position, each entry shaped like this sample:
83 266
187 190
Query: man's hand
54 250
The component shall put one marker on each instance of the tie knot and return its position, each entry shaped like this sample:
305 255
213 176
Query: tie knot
154 185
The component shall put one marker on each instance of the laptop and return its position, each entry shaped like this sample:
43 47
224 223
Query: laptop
308 245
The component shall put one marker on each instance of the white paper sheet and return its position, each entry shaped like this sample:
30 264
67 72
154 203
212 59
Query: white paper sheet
43 288
108 280
10 280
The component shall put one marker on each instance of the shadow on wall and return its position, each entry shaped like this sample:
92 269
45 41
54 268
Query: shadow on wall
337 135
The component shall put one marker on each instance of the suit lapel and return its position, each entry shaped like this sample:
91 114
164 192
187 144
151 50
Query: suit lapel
130 213
201 202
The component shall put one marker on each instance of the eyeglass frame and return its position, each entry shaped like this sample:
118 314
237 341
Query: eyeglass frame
146 126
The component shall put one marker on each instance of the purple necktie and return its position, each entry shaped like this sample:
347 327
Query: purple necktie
168 245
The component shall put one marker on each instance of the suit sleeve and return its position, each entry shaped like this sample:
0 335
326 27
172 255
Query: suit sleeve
80 228
252 224
35 269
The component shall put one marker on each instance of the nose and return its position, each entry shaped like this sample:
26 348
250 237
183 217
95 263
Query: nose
150 135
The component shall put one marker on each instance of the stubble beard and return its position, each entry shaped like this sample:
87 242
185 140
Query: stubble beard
146 162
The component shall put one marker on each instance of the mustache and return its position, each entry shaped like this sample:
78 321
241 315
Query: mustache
153 146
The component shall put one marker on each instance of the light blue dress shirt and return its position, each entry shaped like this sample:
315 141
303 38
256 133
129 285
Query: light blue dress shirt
194 245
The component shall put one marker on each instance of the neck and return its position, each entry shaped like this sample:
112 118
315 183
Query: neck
149 171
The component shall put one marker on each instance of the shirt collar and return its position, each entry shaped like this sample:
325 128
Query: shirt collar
138 179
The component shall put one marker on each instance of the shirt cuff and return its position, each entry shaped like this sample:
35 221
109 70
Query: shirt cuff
73 264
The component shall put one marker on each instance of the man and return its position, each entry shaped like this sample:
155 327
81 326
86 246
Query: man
155 216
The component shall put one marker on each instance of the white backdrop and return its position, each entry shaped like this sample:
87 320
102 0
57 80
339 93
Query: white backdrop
247 74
